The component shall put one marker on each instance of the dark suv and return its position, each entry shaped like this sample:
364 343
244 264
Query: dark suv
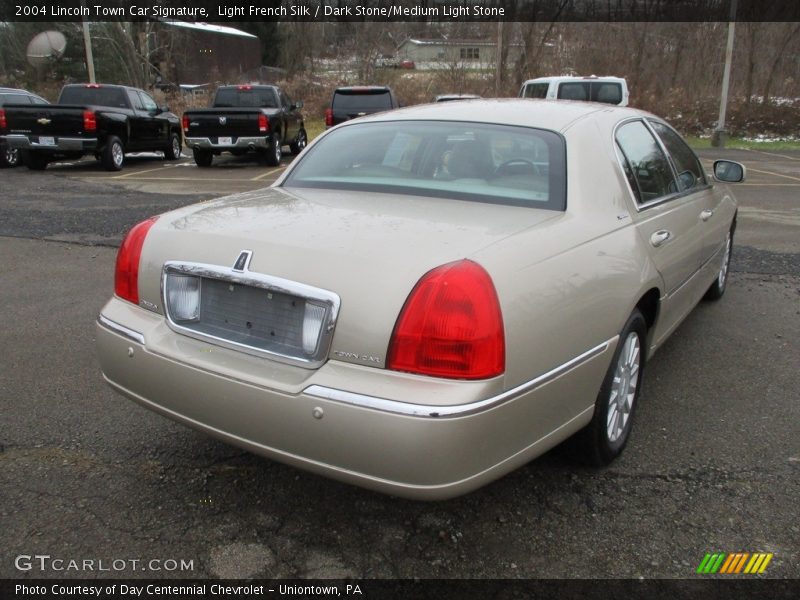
351 102
9 157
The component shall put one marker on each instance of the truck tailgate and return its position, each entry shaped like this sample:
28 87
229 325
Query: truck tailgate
228 122
46 120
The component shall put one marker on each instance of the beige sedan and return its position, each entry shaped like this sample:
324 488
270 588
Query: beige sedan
427 298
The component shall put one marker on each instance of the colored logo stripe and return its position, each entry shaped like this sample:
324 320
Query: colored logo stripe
734 563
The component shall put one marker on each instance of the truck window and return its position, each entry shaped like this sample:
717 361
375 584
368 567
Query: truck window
240 97
535 90
97 96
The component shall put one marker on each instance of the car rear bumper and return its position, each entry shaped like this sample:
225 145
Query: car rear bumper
306 420
240 143
60 144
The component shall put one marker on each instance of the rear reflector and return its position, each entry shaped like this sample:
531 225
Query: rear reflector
89 121
329 117
263 123
126 274
450 326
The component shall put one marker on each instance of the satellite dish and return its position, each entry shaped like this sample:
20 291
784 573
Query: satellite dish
46 46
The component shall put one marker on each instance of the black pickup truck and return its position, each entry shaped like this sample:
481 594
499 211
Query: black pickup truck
244 118
104 120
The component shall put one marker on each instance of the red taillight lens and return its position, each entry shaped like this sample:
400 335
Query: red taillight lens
263 123
245 87
185 121
89 121
450 326
3 122
126 275
329 117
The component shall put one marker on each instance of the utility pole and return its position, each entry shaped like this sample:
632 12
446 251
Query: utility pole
498 72
719 135
87 44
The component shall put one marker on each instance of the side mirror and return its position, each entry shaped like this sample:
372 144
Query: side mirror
298 104
163 108
729 171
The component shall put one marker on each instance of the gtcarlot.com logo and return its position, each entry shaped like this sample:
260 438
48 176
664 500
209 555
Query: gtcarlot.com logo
734 563
45 562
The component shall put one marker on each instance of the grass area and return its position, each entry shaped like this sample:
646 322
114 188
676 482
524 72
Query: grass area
314 127
742 144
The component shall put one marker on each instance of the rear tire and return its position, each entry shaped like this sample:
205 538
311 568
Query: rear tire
275 152
9 158
173 151
113 155
34 161
605 437
717 289
203 158
299 142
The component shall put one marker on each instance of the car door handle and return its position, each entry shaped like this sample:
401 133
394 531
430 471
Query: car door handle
706 214
660 237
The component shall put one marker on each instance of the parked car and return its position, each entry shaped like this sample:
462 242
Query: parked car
455 97
609 90
9 157
246 118
427 298
105 120
356 101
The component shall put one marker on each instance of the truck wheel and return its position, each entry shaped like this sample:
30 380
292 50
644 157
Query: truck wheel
113 156
173 151
34 160
202 158
275 153
299 142
9 157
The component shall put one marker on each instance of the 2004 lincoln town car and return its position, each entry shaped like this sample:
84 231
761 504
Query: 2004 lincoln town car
428 298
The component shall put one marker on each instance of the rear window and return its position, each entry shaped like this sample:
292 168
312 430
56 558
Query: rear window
535 90
97 96
234 97
14 99
498 164
361 100
594 91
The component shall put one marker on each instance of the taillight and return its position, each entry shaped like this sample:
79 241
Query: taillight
329 117
244 87
89 121
450 326
263 123
93 86
185 121
3 122
126 274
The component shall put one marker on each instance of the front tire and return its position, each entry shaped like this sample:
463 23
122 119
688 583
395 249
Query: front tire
113 155
34 161
173 151
605 437
203 158
9 158
299 143
717 289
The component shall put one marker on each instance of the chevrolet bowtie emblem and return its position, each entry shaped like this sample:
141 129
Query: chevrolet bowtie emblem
43 121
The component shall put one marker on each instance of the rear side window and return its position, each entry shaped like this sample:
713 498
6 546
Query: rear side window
14 99
594 91
136 101
497 164
535 90
690 172
235 97
647 166
573 91
610 93
361 100
98 96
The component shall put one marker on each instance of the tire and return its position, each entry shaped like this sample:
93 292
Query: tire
113 155
34 161
605 437
173 151
9 158
717 289
203 158
299 142
275 152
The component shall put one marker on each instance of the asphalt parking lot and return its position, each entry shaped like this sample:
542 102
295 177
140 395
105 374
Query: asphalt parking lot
85 474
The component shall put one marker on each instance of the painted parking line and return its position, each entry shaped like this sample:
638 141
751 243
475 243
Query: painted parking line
267 174
776 154
134 173
773 174
168 179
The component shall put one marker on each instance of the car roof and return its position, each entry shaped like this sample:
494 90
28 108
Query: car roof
561 78
363 88
5 90
526 112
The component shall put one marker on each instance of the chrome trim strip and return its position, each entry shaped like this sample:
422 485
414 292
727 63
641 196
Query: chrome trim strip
23 142
242 143
266 282
457 410
121 329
